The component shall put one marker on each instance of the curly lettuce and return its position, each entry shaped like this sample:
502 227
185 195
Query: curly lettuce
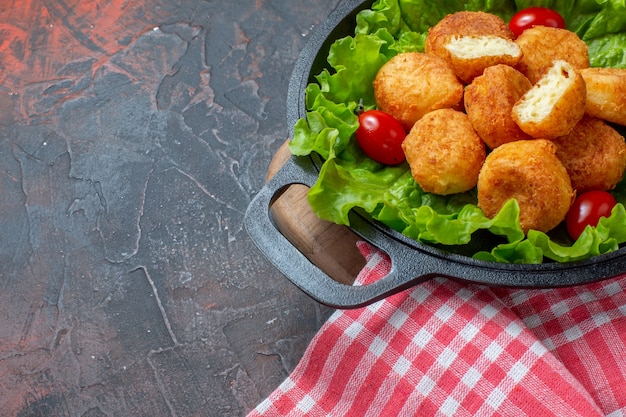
349 180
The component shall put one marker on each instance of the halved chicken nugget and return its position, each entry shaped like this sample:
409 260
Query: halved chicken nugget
412 84
606 93
542 45
594 155
489 100
471 42
444 153
464 23
554 105
530 172
470 55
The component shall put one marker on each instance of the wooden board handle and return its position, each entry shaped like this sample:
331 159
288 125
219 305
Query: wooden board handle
331 247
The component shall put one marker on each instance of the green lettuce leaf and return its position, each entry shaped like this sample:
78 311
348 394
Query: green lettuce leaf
349 180
603 238
327 129
608 51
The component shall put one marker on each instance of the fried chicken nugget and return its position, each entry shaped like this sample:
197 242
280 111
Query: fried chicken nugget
472 41
554 105
542 45
606 93
530 172
594 155
489 100
444 153
411 84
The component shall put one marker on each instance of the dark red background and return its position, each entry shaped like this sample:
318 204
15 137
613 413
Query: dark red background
133 134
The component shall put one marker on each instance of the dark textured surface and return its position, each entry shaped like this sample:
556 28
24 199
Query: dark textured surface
133 134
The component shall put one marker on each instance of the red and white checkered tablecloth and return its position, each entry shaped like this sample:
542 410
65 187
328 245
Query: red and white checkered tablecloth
445 348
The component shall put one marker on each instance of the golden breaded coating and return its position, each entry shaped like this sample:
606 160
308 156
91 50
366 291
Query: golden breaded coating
594 155
554 105
542 45
606 93
530 172
444 153
489 100
471 42
411 84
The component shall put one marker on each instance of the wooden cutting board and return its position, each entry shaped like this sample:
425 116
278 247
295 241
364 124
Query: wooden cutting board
330 246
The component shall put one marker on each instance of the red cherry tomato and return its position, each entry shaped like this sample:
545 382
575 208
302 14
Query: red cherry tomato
535 16
587 209
380 136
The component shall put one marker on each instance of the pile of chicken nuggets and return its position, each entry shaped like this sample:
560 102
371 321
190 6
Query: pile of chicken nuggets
519 118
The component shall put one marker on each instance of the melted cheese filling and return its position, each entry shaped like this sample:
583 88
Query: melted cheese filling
540 100
472 47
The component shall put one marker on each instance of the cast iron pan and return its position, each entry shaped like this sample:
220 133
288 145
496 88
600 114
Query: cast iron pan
412 261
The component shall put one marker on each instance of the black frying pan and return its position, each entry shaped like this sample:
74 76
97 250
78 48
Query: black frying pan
412 261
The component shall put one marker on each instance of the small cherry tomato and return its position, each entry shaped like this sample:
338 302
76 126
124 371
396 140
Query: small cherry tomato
587 209
380 136
535 16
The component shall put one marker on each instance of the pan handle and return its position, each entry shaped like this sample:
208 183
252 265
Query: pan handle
406 269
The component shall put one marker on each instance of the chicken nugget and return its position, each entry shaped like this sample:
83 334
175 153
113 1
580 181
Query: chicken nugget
554 105
471 42
530 172
489 100
594 155
542 45
411 84
606 93
444 153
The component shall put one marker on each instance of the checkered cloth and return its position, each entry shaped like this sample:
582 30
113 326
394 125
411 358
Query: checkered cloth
445 348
